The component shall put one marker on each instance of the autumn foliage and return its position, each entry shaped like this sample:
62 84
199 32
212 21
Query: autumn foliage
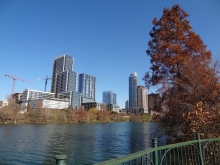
12 114
186 76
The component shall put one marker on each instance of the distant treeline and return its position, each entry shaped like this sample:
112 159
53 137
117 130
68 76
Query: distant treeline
12 114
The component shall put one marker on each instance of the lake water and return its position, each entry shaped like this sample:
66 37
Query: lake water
82 143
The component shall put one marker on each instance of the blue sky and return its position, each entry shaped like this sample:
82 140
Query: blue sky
107 38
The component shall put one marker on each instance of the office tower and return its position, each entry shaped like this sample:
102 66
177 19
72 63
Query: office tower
109 97
114 98
142 97
87 86
126 104
63 78
75 99
133 81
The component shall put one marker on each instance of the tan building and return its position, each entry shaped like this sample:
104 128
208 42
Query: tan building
142 97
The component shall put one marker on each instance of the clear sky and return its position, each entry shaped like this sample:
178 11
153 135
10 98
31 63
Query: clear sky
107 38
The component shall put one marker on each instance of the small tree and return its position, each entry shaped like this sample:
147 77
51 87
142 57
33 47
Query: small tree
70 113
5 114
92 115
103 114
61 116
16 112
82 114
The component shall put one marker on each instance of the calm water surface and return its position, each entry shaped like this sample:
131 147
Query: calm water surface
82 143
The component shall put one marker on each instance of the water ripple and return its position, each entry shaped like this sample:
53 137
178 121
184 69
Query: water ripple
82 143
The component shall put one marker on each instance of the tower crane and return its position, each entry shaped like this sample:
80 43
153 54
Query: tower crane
45 81
13 85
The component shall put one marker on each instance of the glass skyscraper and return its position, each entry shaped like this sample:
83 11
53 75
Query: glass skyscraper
109 97
64 80
87 86
133 82
63 76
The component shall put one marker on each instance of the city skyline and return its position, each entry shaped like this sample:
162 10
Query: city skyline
108 39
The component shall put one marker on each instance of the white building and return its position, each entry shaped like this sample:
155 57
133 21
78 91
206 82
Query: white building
29 94
46 103
3 103
47 99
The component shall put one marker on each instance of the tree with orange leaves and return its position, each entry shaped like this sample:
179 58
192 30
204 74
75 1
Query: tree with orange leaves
181 67
82 114
173 43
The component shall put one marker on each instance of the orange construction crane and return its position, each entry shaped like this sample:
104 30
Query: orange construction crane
14 80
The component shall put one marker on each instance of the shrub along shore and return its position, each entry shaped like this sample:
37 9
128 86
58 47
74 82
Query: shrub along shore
12 114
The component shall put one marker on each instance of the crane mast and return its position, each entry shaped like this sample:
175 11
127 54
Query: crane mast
14 78
46 79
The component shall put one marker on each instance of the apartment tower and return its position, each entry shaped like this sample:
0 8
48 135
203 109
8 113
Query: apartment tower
133 81
142 97
87 86
109 97
126 104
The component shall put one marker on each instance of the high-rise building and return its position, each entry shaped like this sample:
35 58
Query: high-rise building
142 97
133 81
109 97
126 104
114 98
64 80
87 86
63 76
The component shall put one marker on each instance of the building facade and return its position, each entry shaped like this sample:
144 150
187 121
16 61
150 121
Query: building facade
87 106
17 97
142 97
64 80
46 103
3 103
133 81
126 104
109 97
87 86
63 77
29 94
75 99
113 108
114 98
